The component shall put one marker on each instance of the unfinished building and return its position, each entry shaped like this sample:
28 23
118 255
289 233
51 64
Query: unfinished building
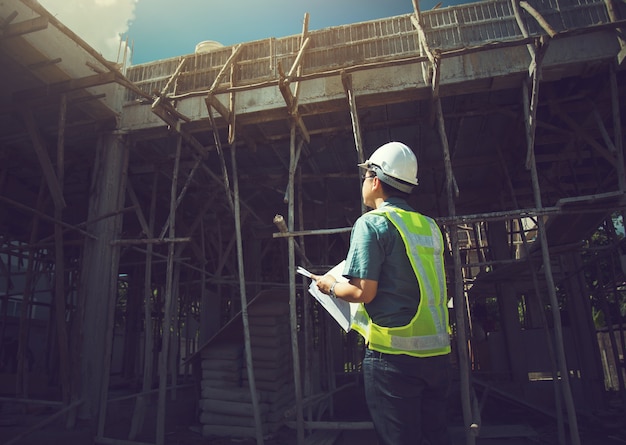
152 217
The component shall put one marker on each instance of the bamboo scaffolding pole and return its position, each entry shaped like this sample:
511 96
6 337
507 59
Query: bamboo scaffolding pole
306 307
544 320
471 428
611 332
617 127
59 272
613 13
235 207
43 423
132 242
279 221
244 303
303 39
616 245
167 305
175 330
293 316
538 17
622 352
231 104
470 415
220 151
325 425
180 197
291 99
21 388
110 441
45 217
530 110
139 411
229 62
138 210
346 79
39 145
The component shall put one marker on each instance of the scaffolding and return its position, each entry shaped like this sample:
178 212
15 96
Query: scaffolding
146 244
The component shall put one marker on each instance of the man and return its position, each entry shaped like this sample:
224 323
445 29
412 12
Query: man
395 269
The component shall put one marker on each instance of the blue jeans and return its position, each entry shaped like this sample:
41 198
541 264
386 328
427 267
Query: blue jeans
407 397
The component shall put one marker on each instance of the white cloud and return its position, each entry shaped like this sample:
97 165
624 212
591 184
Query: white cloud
100 23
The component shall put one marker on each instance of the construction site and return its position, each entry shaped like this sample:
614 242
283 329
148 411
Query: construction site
152 218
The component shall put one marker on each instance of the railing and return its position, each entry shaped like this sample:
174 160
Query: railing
373 41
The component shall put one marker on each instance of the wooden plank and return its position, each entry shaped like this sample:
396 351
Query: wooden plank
323 437
24 27
67 86
212 101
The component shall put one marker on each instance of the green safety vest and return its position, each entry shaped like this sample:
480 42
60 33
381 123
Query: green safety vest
428 333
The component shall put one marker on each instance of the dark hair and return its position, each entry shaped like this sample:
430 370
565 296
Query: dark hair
391 191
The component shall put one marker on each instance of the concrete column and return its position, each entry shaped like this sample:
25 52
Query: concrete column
99 268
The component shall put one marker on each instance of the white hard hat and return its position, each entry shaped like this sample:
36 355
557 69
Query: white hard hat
395 164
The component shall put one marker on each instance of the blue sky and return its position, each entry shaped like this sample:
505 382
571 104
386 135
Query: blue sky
161 29
159 35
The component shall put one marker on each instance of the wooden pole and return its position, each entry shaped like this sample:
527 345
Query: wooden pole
141 402
617 127
59 270
356 126
537 296
470 426
24 326
43 423
244 303
470 419
167 305
307 319
182 192
530 110
538 17
46 217
292 291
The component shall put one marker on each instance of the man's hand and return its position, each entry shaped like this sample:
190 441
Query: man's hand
324 283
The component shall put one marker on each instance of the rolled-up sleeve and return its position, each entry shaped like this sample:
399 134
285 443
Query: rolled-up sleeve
366 254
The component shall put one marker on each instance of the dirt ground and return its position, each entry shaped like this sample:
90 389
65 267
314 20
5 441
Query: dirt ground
502 425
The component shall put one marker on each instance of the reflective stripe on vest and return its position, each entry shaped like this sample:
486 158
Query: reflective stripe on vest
427 334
